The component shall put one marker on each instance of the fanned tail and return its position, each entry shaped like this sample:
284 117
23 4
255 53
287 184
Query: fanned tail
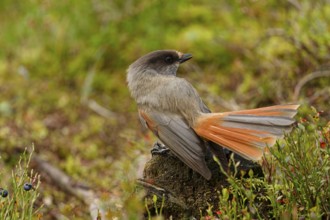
247 132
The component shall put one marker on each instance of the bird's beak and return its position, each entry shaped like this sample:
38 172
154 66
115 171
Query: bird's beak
185 57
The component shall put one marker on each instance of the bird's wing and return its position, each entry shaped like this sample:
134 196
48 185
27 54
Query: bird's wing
203 107
175 133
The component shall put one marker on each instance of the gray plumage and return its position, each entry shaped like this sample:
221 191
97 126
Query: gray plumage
172 109
157 90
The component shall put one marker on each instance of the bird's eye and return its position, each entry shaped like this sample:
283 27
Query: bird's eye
169 59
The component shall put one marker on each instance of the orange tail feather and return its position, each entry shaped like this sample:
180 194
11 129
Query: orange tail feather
247 132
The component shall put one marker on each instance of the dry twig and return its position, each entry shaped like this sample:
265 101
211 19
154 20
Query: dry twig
308 78
83 193
160 192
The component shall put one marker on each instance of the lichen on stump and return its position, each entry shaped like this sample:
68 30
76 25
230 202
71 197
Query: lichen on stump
187 194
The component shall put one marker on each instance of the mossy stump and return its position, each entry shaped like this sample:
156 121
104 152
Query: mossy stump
187 195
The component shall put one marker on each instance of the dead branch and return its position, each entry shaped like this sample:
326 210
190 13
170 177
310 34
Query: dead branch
93 105
160 192
308 78
324 93
83 193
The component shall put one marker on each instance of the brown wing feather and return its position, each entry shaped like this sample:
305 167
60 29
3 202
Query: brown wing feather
182 140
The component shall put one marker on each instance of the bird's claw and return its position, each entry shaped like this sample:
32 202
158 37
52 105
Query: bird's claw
159 149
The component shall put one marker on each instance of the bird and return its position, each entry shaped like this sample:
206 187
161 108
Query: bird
172 109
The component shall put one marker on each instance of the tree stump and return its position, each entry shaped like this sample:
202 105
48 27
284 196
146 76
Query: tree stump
187 195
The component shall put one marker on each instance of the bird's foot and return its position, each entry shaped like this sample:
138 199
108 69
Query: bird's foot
159 149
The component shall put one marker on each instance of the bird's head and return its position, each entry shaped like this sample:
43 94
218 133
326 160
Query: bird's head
164 62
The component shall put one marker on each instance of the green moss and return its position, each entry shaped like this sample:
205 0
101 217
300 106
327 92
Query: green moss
252 53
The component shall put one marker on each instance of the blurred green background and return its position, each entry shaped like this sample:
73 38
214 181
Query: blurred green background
63 67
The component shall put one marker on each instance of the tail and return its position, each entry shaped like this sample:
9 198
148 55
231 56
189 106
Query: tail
247 132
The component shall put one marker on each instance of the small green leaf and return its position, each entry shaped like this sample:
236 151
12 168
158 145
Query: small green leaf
154 199
225 194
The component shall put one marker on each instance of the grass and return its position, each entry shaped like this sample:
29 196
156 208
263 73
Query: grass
296 183
19 195
57 56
